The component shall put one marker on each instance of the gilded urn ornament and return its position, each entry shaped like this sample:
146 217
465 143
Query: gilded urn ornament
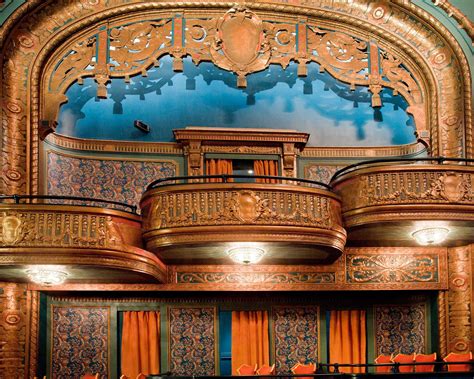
240 44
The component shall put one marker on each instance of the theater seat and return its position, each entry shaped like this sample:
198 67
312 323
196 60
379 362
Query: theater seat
246 370
383 359
266 370
404 358
455 357
423 358
300 368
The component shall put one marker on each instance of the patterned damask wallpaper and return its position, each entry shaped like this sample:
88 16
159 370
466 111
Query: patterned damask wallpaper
192 341
296 336
80 341
400 329
107 179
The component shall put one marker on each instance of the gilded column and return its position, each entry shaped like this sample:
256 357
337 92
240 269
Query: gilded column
459 300
13 326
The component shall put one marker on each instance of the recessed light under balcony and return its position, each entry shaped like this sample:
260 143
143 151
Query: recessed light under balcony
47 275
246 254
430 236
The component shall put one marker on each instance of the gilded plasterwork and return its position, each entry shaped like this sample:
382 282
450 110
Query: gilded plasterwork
389 268
459 300
438 59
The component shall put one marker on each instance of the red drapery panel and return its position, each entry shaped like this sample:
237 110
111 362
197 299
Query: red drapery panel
219 167
140 343
347 338
250 342
265 167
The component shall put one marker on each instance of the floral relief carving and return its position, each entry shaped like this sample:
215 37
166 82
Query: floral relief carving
391 268
135 46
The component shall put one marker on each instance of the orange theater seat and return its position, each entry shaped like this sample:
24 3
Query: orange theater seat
383 359
90 376
404 358
245 370
424 358
266 370
300 368
455 357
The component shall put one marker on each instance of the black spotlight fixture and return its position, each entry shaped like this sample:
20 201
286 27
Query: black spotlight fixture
140 125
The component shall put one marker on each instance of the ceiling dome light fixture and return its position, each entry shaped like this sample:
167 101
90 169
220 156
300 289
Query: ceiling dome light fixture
430 236
246 254
47 275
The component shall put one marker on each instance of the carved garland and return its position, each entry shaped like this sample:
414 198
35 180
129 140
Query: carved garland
27 46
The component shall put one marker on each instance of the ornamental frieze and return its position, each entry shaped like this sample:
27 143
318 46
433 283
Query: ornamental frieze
56 230
256 277
392 268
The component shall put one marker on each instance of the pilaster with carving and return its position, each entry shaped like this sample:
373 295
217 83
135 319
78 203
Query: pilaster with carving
459 300
13 330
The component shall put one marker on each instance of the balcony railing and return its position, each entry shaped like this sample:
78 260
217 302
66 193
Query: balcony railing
406 189
278 212
101 234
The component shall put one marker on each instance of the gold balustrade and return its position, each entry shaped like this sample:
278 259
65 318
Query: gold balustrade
198 222
410 195
104 241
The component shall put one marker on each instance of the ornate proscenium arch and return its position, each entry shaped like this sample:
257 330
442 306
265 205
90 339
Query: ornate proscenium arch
419 58
238 41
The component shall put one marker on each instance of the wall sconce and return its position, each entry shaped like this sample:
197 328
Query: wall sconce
246 254
430 236
47 275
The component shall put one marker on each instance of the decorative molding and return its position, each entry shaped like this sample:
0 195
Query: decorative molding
363 152
240 277
79 144
463 21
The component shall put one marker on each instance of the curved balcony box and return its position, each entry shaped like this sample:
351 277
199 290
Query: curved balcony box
94 244
388 203
200 222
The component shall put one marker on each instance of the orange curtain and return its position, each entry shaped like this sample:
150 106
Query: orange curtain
219 167
347 338
140 343
250 342
265 167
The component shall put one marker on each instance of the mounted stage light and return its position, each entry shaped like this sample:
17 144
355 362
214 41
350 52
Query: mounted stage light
430 236
140 125
47 275
246 254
